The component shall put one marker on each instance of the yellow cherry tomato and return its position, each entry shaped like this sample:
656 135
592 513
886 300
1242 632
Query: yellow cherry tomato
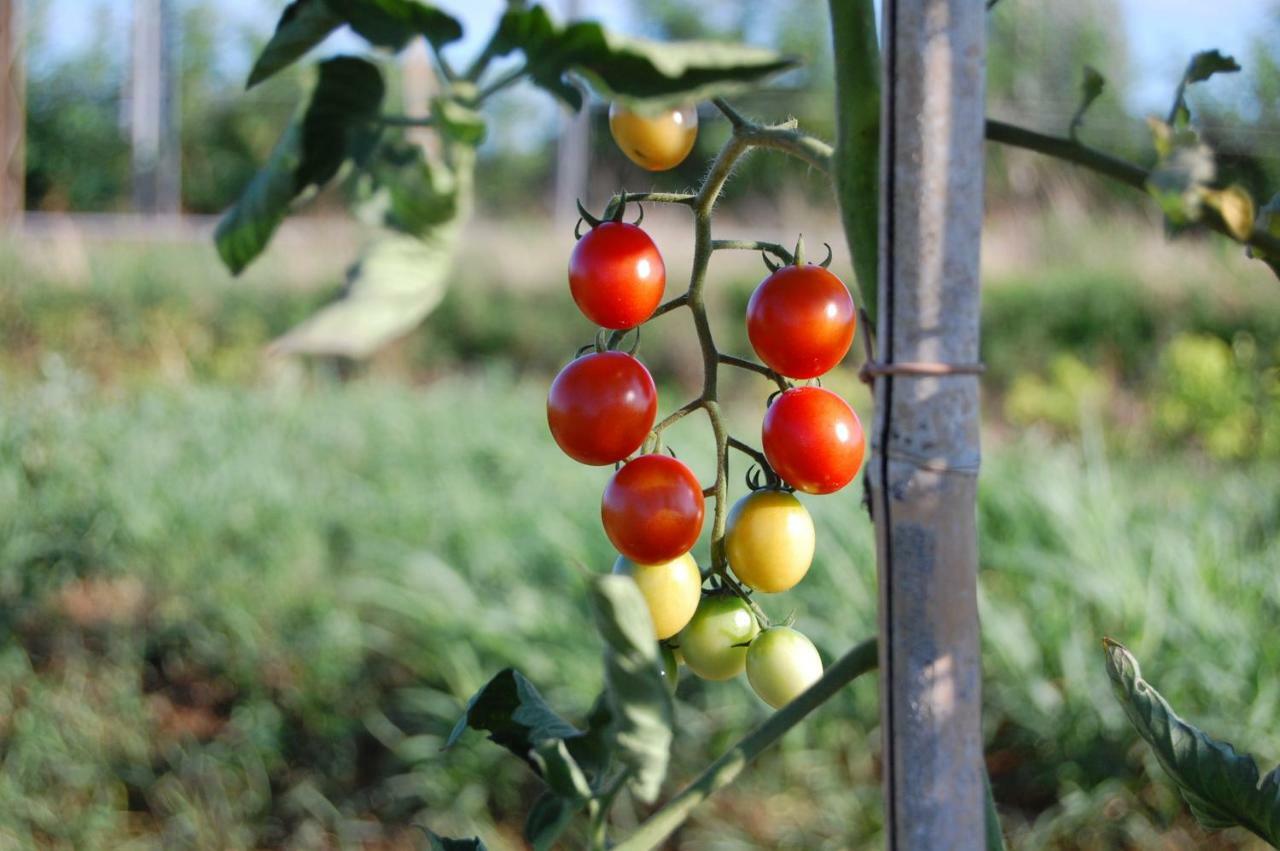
671 589
769 540
782 663
656 142
714 642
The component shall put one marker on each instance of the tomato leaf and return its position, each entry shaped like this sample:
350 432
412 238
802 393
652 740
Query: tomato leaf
392 23
513 713
401 189
1268 220
593 748
561 771
383 23
1091 88
334 128
1223 787
302 25
398 280
437 842
630 69
638 698
548 818
1201 67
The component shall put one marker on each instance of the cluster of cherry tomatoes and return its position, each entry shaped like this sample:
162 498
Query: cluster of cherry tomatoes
602 407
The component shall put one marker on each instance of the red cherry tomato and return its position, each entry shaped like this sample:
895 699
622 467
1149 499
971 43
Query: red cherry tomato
616 275
653 509
601 407
813 440
801 321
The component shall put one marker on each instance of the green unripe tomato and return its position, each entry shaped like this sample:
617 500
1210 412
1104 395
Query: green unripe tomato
671 589
670 667
782 663
708 642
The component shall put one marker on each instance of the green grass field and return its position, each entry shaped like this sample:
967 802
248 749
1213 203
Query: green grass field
243 602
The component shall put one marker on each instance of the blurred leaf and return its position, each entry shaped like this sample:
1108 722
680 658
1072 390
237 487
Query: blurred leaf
560 770
513 713
1268 219
548 817
638 696
630 69
392 23
1204 65
396 282
444 843
302 25
403 190
1201 67
458 122
1235 206
1180 178
1223 787
1091 88
335 127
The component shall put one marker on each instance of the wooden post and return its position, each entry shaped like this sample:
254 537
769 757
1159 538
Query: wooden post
573 153
13 115
923 471
154 126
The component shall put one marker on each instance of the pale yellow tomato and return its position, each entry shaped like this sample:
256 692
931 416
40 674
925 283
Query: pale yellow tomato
769 540
782 663
656 142
671 589
714 642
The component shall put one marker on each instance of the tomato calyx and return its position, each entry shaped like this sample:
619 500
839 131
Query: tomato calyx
613 213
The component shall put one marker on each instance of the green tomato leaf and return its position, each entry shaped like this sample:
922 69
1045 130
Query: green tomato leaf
1204 65
392 23
561 771
302 25
398 280
513 713
548 818
402 190
336 126
638 698
1223 787
437 842
593 748
630 69
1268 220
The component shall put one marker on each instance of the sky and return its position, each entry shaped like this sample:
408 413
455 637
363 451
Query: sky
1161 33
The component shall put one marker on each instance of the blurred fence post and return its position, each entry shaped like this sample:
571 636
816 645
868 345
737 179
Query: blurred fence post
923 472
154 108
573 153
13 114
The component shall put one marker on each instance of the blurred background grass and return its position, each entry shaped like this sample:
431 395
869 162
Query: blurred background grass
243 599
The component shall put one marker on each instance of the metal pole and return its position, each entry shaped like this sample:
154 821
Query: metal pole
923 472
13 115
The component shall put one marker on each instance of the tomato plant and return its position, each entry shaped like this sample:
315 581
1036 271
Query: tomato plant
601 407
616 275
800 322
